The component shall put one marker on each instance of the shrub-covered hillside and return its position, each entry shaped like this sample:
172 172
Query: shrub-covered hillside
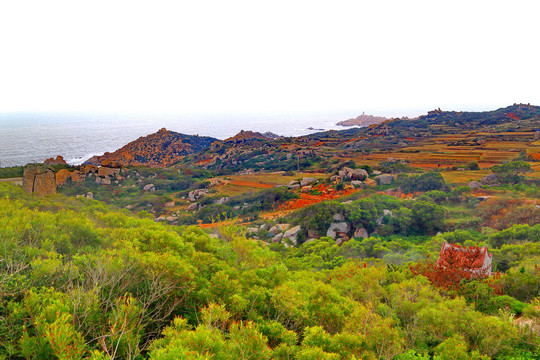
80 280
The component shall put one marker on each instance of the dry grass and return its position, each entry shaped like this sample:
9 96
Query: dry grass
462 177
14 181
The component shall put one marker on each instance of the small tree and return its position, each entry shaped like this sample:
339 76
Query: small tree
511 172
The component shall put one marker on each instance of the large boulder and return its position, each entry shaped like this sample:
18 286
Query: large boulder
283 227
223 200
196 194
307 181
59 160
108 171
273 231
489 179
77 176
292 234
89 169
306 189
361 233
62 177
473 185
370 182
359 174
336 228
277 238
252 230
111 163
385 179
338 217
39 179
293 182
149 187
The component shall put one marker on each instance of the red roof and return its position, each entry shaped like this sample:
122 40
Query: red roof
467 258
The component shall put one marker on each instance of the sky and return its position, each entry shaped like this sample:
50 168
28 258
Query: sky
390 58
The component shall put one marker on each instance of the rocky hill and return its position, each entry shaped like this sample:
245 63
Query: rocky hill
244 136
164 148
362 120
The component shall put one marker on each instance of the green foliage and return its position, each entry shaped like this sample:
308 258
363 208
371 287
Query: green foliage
511 172
81 280
11 172
423 182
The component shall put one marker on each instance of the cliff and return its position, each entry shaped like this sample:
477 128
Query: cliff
162 149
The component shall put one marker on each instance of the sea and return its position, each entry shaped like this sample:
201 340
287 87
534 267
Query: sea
30 138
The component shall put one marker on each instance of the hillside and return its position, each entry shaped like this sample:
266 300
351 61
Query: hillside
163 148
233 253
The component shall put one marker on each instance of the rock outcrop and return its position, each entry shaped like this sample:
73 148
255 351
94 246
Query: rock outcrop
361 233
292 234
161 149
64 175
337 228
362 120
307 181
353 174
244 136
59 160
473 185
39 179
489 179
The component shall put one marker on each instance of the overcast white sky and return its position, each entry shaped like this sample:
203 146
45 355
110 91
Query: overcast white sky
383 57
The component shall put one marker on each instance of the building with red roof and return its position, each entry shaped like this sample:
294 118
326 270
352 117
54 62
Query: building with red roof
476 260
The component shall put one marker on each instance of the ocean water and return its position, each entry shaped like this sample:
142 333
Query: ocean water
27 138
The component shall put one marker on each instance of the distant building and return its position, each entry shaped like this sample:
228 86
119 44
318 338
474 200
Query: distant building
476 260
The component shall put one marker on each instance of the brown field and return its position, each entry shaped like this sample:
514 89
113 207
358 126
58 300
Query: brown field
239 184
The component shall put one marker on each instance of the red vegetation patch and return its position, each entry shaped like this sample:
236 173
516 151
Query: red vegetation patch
306 199
513 116
356 139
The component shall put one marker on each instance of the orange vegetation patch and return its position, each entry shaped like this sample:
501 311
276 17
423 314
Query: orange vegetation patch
400 194
513 116
205 161
355 139
251 184
307 199
535 156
